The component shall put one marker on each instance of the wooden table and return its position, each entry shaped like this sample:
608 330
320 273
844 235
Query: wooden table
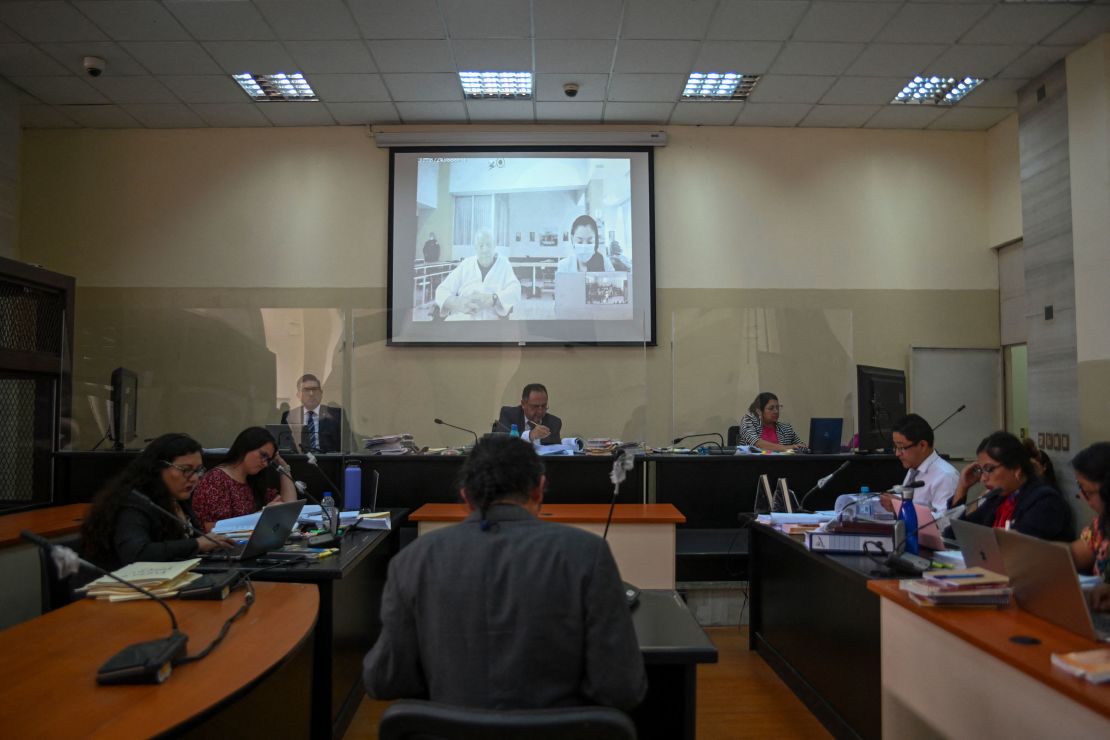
641 535
51 521
958 672
51 665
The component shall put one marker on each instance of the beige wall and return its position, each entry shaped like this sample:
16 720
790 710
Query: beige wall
1003 183
888 230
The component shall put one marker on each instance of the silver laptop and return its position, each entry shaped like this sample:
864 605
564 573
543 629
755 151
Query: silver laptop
1045 584
978 546
270 533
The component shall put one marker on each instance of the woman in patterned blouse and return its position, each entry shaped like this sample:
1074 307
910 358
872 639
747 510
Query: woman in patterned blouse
761 428
243 481
1092 474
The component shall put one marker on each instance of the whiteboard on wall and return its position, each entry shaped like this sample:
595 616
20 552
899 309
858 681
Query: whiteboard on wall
943 379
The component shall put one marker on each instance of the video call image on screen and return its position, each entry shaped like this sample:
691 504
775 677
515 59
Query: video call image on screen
481 239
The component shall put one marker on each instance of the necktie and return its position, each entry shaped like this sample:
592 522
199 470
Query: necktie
313 432
911 477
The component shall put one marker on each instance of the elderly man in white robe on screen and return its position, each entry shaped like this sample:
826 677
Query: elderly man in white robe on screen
481 287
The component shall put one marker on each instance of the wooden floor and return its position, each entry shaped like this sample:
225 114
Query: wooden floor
738 697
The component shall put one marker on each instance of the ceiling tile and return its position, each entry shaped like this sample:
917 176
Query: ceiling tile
25 59
638 112
257 57
333 57
976 61
356 114
72 56
49 21
576 112
68 90
413 56
705 114
927 23
811 58
231 115
486 19
398 19
838 116
580 19
166 116
454 112
655 56
297 114
419 87
493 54
220 21
863 90
790 89
100 116
666 19
571 55
772 114
970 119
124 90
894 59
134 20
44 116
994 94
1035 61
756 20
843 21
749 57
1082 28
1019 23
500 110
905 116
591 88
646 88
173 57
206 89
349 88
309 19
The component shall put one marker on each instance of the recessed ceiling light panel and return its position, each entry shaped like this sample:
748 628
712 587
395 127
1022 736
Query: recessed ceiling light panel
502 85
719 86
280 86
936 90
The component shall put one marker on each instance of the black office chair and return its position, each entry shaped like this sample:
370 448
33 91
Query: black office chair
733 436
424 720
56 592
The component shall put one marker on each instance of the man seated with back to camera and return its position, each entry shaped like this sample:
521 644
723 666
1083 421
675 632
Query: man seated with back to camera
505 610
913 445
531 417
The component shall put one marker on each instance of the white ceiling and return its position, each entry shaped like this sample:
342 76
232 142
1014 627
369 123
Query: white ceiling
824 63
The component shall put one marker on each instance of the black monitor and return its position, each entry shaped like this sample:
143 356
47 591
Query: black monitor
825 434
125 394
880 401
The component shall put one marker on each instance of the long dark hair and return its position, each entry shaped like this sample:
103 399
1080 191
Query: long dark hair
144 475
1008 450
251 439
1093 463
500 468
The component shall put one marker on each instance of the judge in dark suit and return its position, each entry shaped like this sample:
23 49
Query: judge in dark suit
531 417
323 429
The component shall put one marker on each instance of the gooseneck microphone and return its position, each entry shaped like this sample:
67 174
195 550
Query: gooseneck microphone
898 490
822 483
461 429
961 408
302 488
190 530
703 434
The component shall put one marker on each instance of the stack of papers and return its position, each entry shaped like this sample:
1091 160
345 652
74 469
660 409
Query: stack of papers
967 587
391 444
1093 665
161 579
376 520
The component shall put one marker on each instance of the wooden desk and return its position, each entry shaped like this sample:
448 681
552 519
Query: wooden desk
964 661
641 535
50 521
51 665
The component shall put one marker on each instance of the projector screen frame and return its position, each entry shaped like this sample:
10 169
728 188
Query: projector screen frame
648 311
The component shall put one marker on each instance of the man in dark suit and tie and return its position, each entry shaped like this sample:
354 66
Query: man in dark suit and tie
322 427
531 417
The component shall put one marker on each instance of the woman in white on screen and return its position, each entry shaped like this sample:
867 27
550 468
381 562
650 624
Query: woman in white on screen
481 287
584 242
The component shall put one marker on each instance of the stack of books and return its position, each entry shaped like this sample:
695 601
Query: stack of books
601 445
162 579
965 587
1093 665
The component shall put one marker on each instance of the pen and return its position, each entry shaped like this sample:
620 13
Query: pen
327 554
947 576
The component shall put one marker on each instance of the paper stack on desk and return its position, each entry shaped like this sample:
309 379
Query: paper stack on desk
966 587
161 579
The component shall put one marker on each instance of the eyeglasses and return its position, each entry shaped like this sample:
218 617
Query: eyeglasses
899 449
311 389
988 469
780 407
186 470
1087 493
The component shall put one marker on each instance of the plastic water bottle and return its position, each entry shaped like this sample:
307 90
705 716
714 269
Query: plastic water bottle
352 487
513 431
331 515
908 515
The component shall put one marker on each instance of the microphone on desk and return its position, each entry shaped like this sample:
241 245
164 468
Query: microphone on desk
822 483
945 419
320 540
461 429
190 530
622 463
903 562
898 490
703 434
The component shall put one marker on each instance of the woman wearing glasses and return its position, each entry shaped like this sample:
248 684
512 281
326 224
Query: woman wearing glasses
761 428
1016 498
1091 551
124 525
243 482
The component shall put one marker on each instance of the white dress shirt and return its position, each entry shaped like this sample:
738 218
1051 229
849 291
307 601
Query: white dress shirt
940 483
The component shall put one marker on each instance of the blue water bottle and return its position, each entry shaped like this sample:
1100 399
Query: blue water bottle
514 432
352 487
908 515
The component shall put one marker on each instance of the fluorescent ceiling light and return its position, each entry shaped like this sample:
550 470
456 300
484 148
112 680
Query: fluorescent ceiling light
719 86
278 86
936 90
506 85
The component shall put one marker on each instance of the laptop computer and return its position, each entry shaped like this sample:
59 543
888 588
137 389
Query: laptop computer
1045 584
979 546
824 435
273 528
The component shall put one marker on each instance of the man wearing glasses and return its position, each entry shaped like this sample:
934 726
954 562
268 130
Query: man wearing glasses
322 428
531 417
913 445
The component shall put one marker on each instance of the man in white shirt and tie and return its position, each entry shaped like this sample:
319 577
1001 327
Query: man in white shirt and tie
322 427
913 444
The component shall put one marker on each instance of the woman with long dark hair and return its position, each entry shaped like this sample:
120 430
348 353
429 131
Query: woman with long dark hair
124 528
1091 551
243 482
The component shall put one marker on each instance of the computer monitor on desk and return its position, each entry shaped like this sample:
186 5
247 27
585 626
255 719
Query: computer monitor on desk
825 434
